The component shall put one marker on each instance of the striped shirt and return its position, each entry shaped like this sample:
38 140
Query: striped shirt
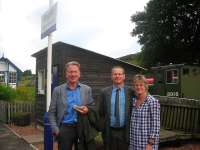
145 124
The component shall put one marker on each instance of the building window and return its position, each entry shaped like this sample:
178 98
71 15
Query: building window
2 77
12 77
172 76
41 81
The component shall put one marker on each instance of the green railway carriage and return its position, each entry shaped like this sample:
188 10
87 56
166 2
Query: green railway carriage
176 80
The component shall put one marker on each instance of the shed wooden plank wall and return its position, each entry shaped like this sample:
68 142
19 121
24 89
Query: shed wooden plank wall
95 69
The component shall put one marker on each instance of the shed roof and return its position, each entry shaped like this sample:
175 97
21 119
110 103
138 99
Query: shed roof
65 44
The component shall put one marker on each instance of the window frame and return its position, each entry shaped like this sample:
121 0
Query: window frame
2 77
12 77
174 79
41 81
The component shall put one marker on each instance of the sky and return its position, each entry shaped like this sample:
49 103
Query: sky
102 26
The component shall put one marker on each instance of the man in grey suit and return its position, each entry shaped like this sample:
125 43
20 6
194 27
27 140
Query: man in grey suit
115 110
71 111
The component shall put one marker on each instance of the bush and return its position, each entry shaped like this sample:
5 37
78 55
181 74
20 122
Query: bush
25 93
21 118
7 93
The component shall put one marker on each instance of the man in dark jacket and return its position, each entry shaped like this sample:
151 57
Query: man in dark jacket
115 110
71 111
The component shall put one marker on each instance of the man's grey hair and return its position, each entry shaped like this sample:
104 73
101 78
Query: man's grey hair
76 63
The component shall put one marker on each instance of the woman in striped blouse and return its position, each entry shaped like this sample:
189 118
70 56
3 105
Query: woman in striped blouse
145 118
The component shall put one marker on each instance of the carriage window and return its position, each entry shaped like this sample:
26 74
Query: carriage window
186 71
172 76
194 71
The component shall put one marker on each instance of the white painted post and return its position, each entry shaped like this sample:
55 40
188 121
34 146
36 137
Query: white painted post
49 64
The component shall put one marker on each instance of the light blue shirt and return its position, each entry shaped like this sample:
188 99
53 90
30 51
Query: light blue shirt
121 107
73 98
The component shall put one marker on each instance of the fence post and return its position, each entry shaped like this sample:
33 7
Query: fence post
8 113
48 136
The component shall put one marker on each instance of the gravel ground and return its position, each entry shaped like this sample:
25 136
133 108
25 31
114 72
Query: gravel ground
27 130
194 146
30 130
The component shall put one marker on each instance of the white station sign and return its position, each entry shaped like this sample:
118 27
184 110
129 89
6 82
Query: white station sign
48 22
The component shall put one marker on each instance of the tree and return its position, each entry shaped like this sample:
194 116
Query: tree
169 31
27 72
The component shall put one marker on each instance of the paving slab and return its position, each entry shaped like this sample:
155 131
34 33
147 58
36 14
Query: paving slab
34 138
10 141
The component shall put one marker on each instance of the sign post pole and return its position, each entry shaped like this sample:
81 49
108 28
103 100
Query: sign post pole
48 26
49 64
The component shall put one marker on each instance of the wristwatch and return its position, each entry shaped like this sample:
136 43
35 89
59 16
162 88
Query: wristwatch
151 141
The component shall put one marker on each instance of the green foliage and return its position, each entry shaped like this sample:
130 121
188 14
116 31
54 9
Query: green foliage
135 59
26 88
169 31
27 80
25 93
27 73
21 93
98 139
7 93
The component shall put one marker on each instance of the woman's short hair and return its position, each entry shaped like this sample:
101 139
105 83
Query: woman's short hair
142 78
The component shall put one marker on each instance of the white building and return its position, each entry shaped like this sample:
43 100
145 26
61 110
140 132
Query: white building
9 72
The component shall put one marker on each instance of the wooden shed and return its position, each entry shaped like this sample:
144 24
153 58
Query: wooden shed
95 70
